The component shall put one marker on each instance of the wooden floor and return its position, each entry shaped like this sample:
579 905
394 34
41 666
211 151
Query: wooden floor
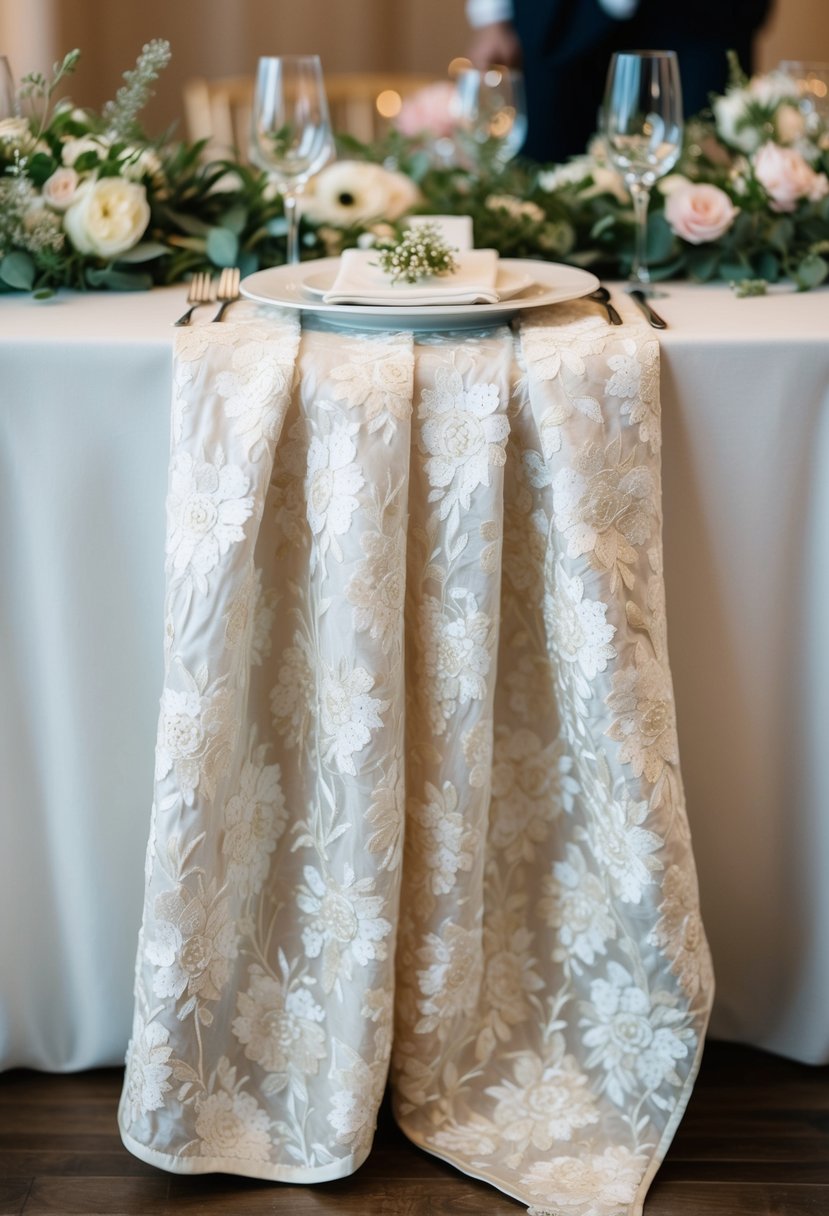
755 1142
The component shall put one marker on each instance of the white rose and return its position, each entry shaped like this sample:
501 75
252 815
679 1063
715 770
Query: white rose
73 148
14 130
787 178
108 218
728 111
350 192
61 189
772 88
699 213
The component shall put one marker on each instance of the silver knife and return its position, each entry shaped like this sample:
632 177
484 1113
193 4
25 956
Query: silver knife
653 317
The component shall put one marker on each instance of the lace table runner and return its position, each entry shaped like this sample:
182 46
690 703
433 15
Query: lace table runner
418 803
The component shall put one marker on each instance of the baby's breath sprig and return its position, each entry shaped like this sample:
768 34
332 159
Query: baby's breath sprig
420 253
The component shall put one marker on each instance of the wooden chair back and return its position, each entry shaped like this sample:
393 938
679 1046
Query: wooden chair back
362 104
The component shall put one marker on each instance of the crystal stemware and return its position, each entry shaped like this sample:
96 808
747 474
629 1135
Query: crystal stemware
291 132
8 100
811 81
491 115
642 128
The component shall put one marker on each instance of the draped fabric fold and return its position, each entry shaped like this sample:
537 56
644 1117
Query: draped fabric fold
418 808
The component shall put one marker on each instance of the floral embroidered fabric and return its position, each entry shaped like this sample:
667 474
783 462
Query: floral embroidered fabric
418 805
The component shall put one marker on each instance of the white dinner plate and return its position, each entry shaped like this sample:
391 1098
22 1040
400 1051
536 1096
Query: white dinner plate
509 282
287 286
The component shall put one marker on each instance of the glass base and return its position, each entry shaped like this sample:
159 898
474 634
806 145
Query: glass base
651 290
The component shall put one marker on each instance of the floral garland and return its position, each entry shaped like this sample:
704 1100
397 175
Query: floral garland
88 201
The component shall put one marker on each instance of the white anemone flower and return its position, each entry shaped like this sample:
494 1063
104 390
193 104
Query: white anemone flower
351 192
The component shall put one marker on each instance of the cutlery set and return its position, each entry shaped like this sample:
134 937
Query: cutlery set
602 296
201 291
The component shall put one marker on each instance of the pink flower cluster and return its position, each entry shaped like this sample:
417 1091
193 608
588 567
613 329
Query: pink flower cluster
431 109
787 177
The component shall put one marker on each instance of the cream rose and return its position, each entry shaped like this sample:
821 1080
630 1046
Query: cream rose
350 192
73 148
787 177
108 218
61 189
14 131
729 111
699 213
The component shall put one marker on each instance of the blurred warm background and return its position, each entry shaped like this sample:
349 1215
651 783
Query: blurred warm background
217 38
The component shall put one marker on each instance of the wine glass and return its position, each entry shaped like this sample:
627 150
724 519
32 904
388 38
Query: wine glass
8 101
642 128
291 131
811 81
491 115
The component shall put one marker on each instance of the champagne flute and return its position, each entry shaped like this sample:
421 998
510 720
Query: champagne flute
642 128
8 100
291 132
491 114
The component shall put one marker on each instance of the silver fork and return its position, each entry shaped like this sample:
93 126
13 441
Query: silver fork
228 289
201 292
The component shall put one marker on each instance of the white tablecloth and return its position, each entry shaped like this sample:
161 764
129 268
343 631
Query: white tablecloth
84 409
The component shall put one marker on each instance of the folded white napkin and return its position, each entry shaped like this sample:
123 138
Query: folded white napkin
361 281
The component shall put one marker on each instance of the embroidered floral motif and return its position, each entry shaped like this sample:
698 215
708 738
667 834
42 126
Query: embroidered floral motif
347 715
378 379
438 845
600 1185
206 507
148 1069
195 732
604 505
635 1039
193 945
576 626
378 588
456 644
232 1125
464 437
255 388
645 721
343 923
254 820
449 979
280 1025
547 1100
524 792
331 484
575 903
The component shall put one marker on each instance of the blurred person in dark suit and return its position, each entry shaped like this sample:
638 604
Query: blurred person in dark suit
564 47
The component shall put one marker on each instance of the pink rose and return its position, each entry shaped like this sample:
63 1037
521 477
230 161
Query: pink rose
787 177
699 213
61 189
430 109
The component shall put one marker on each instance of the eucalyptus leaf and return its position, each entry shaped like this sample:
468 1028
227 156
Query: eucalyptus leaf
222 247
145 252
17 270
235 218
811 272
660 238
117 280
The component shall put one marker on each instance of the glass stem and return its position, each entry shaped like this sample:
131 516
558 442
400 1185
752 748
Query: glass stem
640 195
289 201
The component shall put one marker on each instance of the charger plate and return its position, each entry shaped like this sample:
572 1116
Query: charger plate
296 287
